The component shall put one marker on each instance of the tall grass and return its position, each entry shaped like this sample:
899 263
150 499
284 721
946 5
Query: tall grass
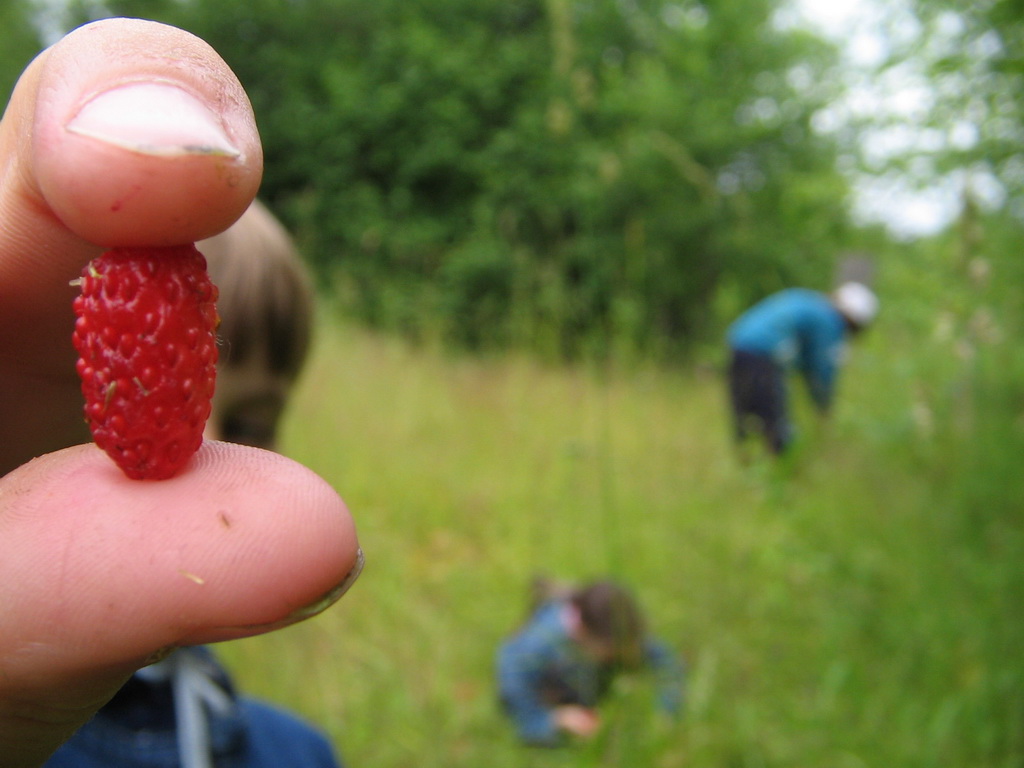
842 611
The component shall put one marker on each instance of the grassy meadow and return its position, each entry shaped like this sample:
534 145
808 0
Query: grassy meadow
858 607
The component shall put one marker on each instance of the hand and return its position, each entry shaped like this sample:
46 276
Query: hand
127 132
576 720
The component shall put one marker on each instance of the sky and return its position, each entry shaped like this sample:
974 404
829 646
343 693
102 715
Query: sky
859 27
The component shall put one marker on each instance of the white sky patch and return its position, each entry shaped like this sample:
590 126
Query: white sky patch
868 31
51 17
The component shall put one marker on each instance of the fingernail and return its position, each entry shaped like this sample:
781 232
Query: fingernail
319 605
159 655
333 595
153 119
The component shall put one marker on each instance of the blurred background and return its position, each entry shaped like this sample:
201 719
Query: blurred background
530 222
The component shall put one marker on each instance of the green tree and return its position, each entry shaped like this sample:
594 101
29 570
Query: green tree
18 44
974 58
553 173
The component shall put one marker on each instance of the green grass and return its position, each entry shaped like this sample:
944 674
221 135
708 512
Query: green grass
851 610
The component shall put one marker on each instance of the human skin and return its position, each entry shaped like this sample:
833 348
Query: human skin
127 133
582 722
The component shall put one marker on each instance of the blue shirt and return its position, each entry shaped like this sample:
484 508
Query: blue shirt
800 330
137 729
542 661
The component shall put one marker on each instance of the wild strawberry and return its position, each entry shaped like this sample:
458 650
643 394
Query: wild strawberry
147 355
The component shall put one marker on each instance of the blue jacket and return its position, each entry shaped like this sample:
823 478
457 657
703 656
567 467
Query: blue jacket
137 729
541 658
800 330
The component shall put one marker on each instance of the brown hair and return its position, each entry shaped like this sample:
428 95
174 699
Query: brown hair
609 613
266 298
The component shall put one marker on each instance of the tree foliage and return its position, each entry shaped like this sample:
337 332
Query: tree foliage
554 173
19 43
973 59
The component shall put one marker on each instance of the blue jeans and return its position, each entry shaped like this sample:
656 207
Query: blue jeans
137 729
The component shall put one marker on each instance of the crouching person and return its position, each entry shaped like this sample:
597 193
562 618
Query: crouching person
555 670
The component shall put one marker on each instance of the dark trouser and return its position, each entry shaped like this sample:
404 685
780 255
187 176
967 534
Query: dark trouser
757 392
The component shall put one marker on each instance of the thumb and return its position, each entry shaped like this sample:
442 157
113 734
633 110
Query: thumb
130 132
101 574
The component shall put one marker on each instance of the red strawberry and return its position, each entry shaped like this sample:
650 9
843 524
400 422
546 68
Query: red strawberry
147 355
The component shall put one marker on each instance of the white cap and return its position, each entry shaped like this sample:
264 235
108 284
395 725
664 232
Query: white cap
857 302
